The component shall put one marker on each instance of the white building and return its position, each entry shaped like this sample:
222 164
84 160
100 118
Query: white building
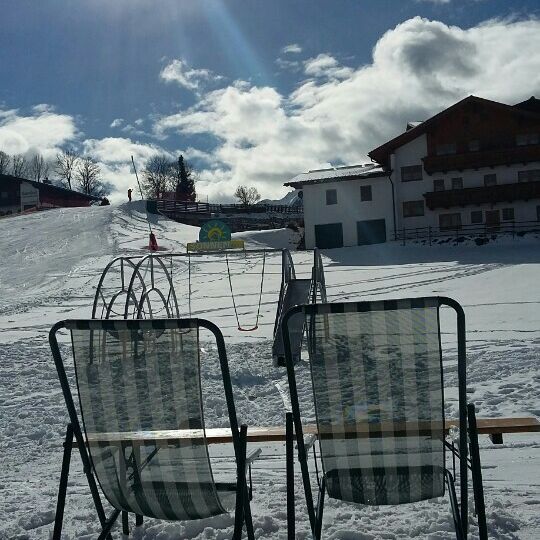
346 206
475 164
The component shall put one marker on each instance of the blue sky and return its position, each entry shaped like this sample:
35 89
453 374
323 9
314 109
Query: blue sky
250 91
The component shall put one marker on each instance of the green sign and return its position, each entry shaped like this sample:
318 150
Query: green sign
214 231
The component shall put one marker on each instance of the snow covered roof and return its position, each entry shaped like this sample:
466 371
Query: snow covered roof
337 174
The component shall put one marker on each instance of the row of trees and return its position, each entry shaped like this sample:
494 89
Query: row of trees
162 175
72 171
82 173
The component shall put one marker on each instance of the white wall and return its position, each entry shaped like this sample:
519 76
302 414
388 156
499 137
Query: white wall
349 208
410 154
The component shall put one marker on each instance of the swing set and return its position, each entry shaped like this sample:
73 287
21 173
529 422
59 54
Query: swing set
147 286
256 326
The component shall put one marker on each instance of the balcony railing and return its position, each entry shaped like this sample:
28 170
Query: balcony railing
516 191
485 158
430 234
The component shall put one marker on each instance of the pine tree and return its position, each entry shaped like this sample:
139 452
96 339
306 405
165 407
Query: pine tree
185 186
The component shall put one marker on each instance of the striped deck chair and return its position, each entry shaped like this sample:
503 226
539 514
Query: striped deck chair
141 433
376 370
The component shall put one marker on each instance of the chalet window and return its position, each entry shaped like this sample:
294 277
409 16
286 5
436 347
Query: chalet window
450 221
524 139
438 185
413 208
474 145
529 176
445 149
331 196
477 217
490 179
365 193
508 214
457 183
411 173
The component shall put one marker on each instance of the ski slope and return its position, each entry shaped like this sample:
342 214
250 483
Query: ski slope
51 263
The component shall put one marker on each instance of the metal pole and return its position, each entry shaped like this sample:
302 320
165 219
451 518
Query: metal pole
476 469
140 189
61 503
289 446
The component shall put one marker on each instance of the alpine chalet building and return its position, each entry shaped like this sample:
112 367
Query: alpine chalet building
473 165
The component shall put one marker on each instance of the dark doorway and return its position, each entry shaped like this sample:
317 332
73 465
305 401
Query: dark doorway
371 231
329 236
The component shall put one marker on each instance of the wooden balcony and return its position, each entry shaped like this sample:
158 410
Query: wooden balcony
522 191
485 158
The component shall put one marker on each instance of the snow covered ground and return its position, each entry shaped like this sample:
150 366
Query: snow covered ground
49 268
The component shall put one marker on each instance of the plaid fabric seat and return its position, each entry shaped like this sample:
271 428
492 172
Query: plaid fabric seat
136 381
379 364
377 379
384 485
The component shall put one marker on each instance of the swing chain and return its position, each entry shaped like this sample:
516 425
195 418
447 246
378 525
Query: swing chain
240 327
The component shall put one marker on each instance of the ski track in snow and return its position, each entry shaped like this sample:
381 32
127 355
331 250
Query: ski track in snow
51 262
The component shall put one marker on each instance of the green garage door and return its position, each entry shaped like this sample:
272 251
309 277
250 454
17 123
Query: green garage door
329 236
371 231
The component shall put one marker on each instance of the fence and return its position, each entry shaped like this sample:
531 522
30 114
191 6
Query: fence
513 228
187 207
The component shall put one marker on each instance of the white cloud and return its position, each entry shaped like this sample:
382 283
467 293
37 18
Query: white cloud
325 65
179 72
115 150
435 1
288 65
418 68
292 48
43 108
42 130
117 122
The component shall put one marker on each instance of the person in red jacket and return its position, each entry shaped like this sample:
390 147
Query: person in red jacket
129 194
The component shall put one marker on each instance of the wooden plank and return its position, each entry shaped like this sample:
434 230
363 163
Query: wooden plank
259 434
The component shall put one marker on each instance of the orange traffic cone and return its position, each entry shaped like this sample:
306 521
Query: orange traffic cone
152 246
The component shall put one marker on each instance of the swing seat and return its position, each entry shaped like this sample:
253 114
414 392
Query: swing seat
253 328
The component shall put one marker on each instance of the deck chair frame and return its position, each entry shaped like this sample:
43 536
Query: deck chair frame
468 436
74 431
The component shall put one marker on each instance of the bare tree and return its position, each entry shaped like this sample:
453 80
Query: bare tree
66 166
39 168
4 162
87 176
156 176
247 196
19 166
